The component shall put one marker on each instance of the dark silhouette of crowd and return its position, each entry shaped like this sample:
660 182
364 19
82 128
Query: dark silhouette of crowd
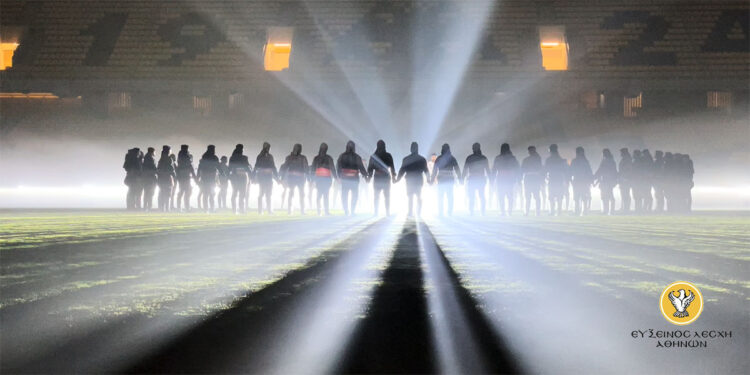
646 184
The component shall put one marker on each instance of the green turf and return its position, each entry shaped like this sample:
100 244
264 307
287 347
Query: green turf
33 229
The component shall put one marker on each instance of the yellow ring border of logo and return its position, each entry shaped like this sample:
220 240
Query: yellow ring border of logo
661 306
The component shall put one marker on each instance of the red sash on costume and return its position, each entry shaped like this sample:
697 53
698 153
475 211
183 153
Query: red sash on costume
349 172
323 172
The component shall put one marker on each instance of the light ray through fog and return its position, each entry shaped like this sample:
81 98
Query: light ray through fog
444 48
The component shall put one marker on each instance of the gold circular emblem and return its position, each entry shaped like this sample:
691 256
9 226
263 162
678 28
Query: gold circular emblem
681 303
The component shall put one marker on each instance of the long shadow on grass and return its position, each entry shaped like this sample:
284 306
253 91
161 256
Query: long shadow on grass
397 336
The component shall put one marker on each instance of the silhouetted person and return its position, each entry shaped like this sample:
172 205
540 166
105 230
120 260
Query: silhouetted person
414 166
639 182
295 175
133 166
148 178
324 171
688 174
239 174
582 177
505 173
533 179
556 171
172 204
349 166
670 174
606 178
223 182
445 171
381 171
476 169
208 170
625 178
185 173
166 178
658 180
265 174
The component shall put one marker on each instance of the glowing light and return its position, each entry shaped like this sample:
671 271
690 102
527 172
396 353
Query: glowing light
554 48
8 49
33 95
278 48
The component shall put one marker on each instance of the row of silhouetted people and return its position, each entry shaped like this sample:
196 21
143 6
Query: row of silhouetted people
646 183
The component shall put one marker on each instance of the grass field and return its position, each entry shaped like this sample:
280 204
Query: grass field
67 272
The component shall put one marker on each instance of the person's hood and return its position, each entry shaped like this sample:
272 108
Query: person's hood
297 149
350 146
505 149
476 149
323 149
266 148
445 150
580 153
414 148
380 147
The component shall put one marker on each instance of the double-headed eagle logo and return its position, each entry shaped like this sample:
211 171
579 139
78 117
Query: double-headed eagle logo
681 303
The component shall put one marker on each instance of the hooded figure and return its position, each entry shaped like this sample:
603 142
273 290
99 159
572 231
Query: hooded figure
349 167
477 169
414 167
381 170
556 171
445 171
265 174
295 174
324 171
223 170
148 178
239 174
185 172
658 180
208 169
625 178
532 170
166 177
582 177
133 165
606 178
506 173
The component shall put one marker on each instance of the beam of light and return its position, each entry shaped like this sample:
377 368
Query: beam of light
444 47
325 322
371 92
166 279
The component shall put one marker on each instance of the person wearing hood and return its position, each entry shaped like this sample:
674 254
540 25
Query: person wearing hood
506 172
582 177
295 175
323 171
606 178
532 169
445 171
239 174
414 166
349 167
477 170
223 182
185 173
133 166
381 171
265 174
658 180
625 179
148 179
556 172
166 177
208 169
